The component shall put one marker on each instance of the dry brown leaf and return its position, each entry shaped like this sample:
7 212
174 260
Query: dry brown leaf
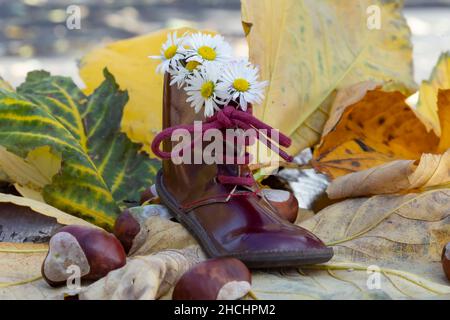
398 156
44 209
21 224
370 126
347 280
394 228
145 277
377 129
393 177
345 98
401 237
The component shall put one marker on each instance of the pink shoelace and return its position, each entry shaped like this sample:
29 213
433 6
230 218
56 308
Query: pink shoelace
229 118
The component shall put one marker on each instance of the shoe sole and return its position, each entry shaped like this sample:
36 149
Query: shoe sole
260 260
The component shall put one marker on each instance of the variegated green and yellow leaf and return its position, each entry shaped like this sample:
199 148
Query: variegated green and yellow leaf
60 97
101 169
26 127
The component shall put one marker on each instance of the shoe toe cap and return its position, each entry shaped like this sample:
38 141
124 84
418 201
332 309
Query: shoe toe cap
279 246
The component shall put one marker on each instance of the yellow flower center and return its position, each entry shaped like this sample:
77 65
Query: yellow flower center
207 89
207 53
241 85
170 52
191 65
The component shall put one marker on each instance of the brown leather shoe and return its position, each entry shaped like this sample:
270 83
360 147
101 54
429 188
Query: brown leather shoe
229 220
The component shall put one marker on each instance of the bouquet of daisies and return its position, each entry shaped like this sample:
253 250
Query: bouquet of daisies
203 65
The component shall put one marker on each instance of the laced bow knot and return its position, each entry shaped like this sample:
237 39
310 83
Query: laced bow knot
230 118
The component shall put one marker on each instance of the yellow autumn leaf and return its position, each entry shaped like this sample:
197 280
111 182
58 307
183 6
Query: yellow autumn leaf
444 119
32 174
427 106
344 280
309 49
371 132
128 60
359 174
386 228
399 236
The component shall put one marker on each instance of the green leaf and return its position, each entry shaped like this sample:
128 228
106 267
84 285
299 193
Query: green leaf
101 168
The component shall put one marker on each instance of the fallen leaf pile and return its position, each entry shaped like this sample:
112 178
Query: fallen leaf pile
375 143
343 91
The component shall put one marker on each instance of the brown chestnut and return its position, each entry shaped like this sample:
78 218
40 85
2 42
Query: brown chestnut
214 279
446 260
125 229
149 195
94 251
284 201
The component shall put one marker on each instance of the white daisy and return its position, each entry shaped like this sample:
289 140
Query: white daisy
239 82
171 52
201 87
205 48
181 72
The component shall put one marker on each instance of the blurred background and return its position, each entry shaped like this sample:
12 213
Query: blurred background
33 33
